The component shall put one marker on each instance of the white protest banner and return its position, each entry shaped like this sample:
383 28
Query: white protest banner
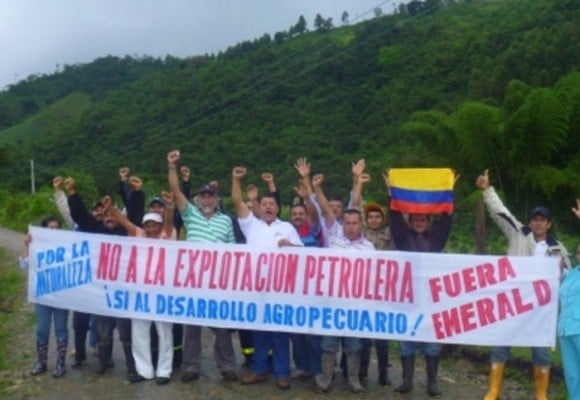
446 298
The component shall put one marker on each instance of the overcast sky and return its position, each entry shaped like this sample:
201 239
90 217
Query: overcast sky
36 35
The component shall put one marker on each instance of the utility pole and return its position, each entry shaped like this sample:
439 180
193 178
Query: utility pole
32 186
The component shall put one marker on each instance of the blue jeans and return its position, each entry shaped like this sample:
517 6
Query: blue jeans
540 355
279 343
44 316
410 348
351 344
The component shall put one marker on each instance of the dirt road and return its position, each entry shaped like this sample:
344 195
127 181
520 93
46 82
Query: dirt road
459 378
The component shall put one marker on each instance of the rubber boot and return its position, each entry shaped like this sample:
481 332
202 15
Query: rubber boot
42 356
342 364
324 379
129 362
353 365
542 378
105 361
495 380
432 368
365 359
408 364
383 362
60 368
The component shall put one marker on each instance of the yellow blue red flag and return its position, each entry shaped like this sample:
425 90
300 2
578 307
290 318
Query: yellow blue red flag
422 190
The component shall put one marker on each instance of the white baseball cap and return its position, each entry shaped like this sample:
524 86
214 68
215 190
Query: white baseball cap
153 217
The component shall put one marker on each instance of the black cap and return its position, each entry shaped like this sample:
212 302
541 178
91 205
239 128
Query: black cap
207 189
541 210
157 200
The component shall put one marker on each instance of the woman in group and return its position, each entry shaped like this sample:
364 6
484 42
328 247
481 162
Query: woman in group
44 316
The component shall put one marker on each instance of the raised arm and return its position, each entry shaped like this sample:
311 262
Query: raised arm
124 189
498 212
397 224
268 177
242 210
118 216
173 179
62 202
136 202
357 189
327 214
168 213
304 193
252 194
305 190
78 211
357 170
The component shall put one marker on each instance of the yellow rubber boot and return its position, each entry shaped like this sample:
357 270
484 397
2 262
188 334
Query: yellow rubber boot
495 380
542 378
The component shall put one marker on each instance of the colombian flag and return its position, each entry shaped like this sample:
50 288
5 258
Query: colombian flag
422 190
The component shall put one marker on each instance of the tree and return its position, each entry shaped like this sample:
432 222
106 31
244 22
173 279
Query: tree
319 22
378 11
300 26
344 18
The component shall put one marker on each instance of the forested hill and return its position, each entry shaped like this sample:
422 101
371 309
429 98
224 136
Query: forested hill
469 84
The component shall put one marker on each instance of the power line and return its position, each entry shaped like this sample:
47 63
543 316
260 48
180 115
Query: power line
228 103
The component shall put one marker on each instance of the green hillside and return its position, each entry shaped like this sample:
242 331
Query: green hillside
53 121
336 95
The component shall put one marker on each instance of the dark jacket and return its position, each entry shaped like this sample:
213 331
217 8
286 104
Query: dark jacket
432 241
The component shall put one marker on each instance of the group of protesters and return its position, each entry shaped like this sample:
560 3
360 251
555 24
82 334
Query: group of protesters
316 220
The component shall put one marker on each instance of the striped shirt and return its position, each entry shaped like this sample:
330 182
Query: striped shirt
199 229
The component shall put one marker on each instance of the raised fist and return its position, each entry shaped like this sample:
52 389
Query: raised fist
317 180
267 177
69 184
107 202
124 173
215 185
239 172
358 167
135 183
185 173
364 178
57 183
482 181
173 157
167 198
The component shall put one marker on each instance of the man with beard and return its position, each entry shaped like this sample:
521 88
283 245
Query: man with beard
266 231
203 223
105 325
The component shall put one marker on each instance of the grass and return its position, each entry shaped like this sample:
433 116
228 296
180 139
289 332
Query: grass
53 118
16 321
